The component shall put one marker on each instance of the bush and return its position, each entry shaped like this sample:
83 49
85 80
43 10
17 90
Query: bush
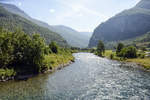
129 52
119 48
21 51
53 47
100 48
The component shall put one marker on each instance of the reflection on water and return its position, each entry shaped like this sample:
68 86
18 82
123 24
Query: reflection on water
89 78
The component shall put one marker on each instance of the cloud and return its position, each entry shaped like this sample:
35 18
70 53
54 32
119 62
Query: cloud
19 4
80 10
52 10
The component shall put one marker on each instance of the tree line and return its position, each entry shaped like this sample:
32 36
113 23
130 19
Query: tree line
121 50
24 53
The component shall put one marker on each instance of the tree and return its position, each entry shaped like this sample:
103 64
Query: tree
100 48
53 47
119 48
21 51
129 52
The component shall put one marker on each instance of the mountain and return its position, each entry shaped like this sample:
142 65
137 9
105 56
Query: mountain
11 20
140 41
73 37
128 24
15 10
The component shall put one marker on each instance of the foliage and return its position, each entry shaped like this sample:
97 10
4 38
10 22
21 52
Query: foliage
21 54
21 51
10 21
100 48
55 60
7 72
53 47
119 48
128 52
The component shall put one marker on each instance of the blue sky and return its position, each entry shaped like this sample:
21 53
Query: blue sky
82 15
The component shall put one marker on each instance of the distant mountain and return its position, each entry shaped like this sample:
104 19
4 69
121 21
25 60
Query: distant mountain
14 9
125 25
10 21
88 34
73 37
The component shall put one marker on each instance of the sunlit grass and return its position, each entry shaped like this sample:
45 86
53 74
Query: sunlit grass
54 60
143 62
108 53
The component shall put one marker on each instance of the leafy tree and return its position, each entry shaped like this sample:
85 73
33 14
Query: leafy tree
53 47
119 48
21 51
129 52
100 48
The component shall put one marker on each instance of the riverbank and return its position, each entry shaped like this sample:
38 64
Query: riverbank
143 62
53 61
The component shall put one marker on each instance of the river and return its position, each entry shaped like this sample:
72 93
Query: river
89 78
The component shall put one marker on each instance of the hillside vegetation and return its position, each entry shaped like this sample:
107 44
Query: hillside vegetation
10 21
21 54
125 25
73 37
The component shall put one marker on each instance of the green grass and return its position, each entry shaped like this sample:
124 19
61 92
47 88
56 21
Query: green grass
50 61
145 62
109 52
54 60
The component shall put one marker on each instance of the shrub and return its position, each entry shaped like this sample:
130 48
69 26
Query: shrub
119 48
100 48
129 52
21 51
53 47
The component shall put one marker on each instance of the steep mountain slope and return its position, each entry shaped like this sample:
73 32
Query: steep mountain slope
125 25
140 41
13 9
74 38
10 21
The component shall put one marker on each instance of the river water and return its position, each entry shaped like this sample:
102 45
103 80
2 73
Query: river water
89 78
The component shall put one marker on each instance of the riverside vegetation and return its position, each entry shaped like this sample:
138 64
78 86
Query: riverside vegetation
124 53
21 54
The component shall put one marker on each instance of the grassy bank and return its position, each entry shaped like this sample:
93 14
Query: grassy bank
145 62
23 56
51 61
54 60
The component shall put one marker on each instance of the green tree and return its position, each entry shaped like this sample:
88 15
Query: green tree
129 52
100 48
120 46
53 47
21 51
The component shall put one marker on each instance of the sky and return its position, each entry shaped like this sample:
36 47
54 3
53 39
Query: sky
82 15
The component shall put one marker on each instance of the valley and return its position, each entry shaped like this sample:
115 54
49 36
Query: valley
72 50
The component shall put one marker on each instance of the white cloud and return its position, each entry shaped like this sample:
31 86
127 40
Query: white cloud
52 10
19 4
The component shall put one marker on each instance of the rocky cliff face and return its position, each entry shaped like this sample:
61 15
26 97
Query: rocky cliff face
125 25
